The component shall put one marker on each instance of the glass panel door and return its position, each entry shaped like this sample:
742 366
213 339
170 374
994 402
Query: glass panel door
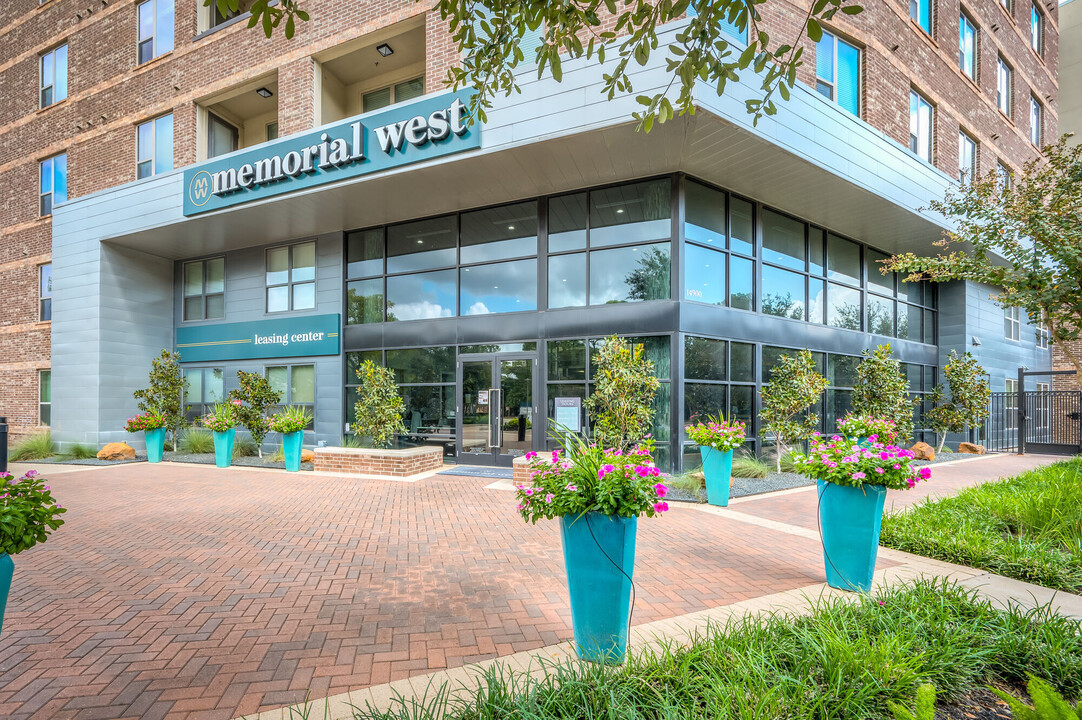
498 413
476 406
516 393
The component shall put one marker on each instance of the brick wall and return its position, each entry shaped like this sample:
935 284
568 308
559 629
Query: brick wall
365 461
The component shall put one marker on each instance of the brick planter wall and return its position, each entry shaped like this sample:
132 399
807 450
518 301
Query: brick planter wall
371 461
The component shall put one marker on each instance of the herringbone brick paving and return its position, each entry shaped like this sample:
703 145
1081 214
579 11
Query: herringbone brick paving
190 592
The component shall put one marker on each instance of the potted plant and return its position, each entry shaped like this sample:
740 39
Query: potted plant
152 425
220 421
598 495
717 438
291 422
29 514
852 486
863 429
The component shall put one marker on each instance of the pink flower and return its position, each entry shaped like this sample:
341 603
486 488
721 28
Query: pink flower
661 490
605 470
661 506
571 488
529 491
520 506
858 476
925 472
531 455
897 466
549 497
880 470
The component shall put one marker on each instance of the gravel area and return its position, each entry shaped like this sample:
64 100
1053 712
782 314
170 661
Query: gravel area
59 460
208 459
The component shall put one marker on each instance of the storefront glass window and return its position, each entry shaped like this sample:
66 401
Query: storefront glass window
364 253
426 295
704 280
880 315
704 359
702 401
422 245
567 280
742 362
843 309
567 360
783 293
876 279
499 288
499 233
635 213
423 365
783 240
817 290
629 274
741 229
816 255
909 322
741 283
843 260
364 301
567 222
704 215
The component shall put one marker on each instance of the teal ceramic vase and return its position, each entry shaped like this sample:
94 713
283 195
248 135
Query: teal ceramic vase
155 440
7 569
718 473
291 448
599 553
223 447
849 521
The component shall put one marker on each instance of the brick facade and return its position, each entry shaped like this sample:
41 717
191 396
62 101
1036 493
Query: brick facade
109 93
364 461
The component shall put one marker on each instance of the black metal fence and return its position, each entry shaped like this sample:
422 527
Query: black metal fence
1000 431
1051 423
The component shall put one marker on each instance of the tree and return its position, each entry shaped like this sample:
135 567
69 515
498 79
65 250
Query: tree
621 405
489 35
794 387
969 394
379 407
165 395
1023 236
882 390
256 398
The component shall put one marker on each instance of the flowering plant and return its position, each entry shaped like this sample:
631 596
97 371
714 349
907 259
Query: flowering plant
717 433
221 419
148 421
585 477
28 512
290 420
843 462
855 426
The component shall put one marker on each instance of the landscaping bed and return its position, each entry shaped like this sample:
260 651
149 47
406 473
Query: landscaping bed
242 461
844 662
1028 527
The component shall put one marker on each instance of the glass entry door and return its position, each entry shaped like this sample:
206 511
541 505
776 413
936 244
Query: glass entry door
497 412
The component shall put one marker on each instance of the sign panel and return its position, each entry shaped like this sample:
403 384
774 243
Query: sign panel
569 413
281 338
427 129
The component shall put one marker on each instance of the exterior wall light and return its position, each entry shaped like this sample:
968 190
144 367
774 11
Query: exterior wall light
264 92
385 50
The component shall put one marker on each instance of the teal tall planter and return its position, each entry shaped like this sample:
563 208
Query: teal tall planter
223 447
7 569
291 448
718 472
155 444
849 521
599 553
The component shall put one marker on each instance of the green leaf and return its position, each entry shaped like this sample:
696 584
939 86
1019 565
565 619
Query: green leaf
815 32
852 10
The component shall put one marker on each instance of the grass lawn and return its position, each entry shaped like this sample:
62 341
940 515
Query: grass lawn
845 661
1027 527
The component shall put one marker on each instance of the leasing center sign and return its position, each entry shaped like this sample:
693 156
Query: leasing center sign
427 129
279 338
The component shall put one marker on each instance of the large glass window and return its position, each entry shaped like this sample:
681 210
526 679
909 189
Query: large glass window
222 137
636 213
422 245
154 146
880 320
783 293
297 383
967 157
45 292
567 280
843 309
921 12
205 386
1035 122
508 231
967 46
837 72
54 183
155 29
424 295
499 288
783 240
843 260
920 126
567 223
704 280
704 215
291 277
629 273
741 283
364 301
53 82
204 289
1004 84
45 397
364 253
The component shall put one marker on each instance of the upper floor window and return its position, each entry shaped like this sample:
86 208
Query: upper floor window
921 12
1044 335
291 277
920 125
967 46
204 289
155 29
154 146
217 17
837 72
967 157
1012 323
1003 176
1036 30
1006 5
54 183
222 137
54 76
45 292
1035 119
729 28
399 92
1003 87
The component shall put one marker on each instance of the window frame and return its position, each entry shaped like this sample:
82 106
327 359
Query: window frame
153 159
51 192
287 395
1012 324
915 7
153 39
1004 175
204 295
921 99
291 283
393 88
963 21
967 144
42 87
204 406
1036 121
45 403
213 118
833 84
1004 87
1043 336
45 292
1036 30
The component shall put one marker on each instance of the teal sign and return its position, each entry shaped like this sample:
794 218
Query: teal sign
427 129
287 337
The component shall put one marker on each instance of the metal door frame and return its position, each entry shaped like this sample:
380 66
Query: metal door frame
496 456
1023 414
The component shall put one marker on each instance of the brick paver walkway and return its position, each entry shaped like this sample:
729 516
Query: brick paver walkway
189 592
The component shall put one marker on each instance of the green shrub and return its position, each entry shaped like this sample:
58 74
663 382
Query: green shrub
196 441
622 402
379 406
351 441
689 481
244 447
78 451
788 463
278 456
749 466
33 447
1047 703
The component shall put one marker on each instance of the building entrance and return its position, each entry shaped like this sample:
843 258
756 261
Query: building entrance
498 415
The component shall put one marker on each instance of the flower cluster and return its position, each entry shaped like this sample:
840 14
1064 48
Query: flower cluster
148 421
28 512
221 418
862 426
718 434
291 420
843 462
584 478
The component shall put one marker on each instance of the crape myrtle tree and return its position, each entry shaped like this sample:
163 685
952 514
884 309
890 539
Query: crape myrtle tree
256 398
969 393
619 35
881 391
794 388
1023 237
165 394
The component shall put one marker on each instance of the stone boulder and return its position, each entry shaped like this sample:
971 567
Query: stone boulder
307 456
923 451
971 449
116 451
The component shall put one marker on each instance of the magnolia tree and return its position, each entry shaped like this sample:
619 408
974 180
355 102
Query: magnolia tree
165 395
794 388
490 36
251 403
969 394
881 391
379 407
1023 236
621 407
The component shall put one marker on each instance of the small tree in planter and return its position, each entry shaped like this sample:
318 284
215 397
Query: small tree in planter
251 403
28 514
165 396
883 392
598 495
621 405
379 408
968 404
794 387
